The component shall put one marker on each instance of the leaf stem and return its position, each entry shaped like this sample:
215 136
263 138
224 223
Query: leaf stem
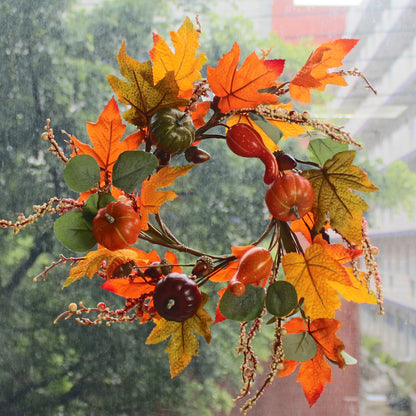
307 162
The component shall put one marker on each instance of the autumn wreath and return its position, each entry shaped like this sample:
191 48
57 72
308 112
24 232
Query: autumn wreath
293 275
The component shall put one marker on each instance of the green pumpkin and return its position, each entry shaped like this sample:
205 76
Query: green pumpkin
171 130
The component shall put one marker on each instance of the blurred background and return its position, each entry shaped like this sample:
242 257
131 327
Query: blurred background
55 55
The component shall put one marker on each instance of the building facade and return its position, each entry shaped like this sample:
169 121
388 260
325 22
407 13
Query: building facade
386 123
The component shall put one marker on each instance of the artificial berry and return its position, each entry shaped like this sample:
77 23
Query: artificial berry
374 251
124 269
203 266
72 307
280 366
176 297
196 155
166 266
154 270
285 161
101 306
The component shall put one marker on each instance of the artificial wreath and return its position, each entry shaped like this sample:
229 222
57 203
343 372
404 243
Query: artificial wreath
314 250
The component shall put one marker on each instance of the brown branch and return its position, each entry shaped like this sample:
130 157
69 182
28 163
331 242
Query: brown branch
304 119
356 73
275 365
48 136
63 205
62 260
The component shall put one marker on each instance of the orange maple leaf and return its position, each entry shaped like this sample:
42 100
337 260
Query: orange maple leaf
93 261
151 199
312 274
128 288
183 62
134 288
219 317
315 373
239 88
106 135
314 74
304 225
201 111
358 292
338 251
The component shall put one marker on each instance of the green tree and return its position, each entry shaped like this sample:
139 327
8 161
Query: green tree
54 61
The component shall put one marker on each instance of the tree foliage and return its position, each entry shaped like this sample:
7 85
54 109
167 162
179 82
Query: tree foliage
53 56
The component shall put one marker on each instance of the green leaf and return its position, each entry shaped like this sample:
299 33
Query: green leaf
74 231
132 167
270 90
349 360
82 173
243 308
94 203
271 130
299 347
281 298
320 150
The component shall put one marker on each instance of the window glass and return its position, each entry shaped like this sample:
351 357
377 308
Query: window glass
55 56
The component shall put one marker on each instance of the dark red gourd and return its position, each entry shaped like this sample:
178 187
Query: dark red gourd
177 297
244 141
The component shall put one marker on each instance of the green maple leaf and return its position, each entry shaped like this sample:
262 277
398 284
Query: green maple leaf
333 186
140 92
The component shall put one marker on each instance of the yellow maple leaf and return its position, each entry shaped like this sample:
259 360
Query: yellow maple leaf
183 62
333 185
92 262
151 198
358 292
312 274
183 343
140 92
288 129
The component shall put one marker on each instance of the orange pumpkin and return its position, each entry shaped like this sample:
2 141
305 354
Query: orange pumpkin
116 226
